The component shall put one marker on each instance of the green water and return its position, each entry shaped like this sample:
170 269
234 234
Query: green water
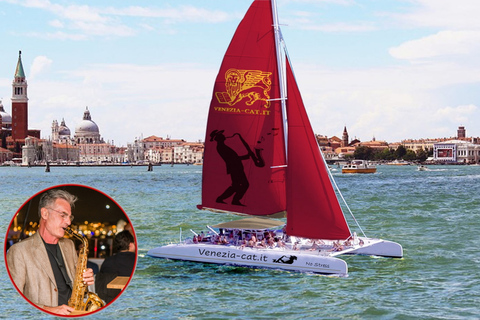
435 215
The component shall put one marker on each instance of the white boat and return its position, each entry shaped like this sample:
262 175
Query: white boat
422 168
359 166
262 160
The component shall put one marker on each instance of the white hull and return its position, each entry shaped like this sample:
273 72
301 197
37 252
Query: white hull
284 259
323 261
378 247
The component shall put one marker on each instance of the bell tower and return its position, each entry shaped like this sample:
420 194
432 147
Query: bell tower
345 137
19 103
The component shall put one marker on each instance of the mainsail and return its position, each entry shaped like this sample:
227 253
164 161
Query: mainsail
245 162
244 159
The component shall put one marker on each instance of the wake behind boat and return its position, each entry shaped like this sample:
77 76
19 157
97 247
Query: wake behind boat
261 159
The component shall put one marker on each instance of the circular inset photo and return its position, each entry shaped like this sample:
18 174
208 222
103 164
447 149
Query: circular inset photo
70 250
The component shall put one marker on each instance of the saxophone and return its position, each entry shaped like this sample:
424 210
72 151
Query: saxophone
80 289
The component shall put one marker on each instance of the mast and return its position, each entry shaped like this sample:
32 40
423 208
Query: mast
281 73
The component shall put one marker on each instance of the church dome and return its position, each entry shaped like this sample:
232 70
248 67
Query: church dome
87 125
87 130
6 118
63 130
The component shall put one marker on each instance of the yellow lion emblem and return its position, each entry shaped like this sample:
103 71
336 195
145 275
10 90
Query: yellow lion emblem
253 85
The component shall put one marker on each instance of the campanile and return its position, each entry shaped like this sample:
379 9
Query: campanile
19 103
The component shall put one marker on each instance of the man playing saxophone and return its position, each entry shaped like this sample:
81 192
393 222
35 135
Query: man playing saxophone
43 265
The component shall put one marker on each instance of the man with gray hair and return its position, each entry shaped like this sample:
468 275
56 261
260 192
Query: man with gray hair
43 265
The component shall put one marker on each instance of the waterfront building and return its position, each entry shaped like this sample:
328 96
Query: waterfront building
345 151
456 151
135 151
5 155
377 146
329 154
419 144
185 153
189 152
99 153
154 141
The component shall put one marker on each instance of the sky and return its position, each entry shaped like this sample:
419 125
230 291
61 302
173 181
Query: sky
389 69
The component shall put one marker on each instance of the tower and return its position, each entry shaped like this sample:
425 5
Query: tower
345 137
55 130
19 103
461 132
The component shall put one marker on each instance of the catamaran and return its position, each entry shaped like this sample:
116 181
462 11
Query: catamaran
262 160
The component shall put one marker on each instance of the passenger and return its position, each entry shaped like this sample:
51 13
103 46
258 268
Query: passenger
337 246
223 240
314 246
295 246
271 243
243 244
195 239
251 243
280 243
262 244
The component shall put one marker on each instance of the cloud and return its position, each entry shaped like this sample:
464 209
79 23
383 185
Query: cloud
444 14
340 27
79 22
456 115
180 14
154 105
40 64
443 43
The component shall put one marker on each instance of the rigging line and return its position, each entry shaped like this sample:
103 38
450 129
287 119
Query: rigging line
281 72
340 193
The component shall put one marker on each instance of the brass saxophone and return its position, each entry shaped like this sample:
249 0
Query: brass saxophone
80 289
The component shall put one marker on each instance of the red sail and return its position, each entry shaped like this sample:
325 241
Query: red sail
244 144
313 210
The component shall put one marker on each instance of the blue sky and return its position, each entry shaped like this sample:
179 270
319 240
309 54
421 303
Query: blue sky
393 69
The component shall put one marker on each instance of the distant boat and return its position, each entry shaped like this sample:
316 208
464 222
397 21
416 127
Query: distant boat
257 163
422 168
359 166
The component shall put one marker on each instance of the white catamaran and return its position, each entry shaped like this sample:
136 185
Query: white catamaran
262 159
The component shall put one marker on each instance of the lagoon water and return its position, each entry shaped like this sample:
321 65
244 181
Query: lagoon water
434 214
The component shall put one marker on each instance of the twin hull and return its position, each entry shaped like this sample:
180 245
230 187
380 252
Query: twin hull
299 261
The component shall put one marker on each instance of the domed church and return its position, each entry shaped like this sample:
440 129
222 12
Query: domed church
60 133
87 131
6 118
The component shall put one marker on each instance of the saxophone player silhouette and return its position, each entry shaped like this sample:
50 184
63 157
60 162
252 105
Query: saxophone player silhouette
234 164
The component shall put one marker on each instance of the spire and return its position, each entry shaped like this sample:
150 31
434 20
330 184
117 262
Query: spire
345 137
86 115
19 73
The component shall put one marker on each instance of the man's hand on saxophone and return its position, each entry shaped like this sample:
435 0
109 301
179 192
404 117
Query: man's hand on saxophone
88 278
